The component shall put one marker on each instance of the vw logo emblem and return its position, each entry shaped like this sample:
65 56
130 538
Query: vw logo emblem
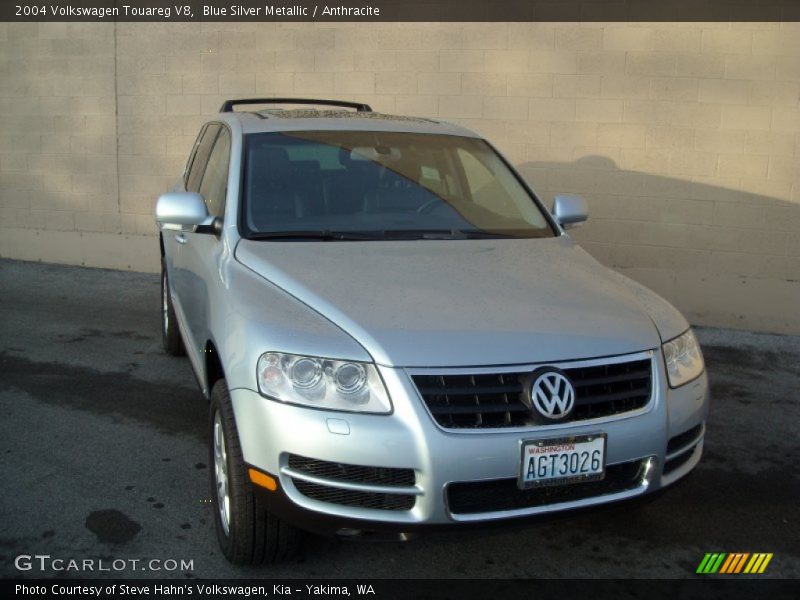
552 394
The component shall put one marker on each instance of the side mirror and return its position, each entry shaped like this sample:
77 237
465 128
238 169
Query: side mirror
175 210
570 211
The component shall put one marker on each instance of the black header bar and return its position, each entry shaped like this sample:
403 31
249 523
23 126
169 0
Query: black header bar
710 588
400 10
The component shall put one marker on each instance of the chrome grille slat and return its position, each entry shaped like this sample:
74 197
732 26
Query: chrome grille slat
470 391
352 473
616 378
485 409
598 398
358 499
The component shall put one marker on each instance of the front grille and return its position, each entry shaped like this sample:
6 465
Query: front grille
333 495
473 497
352 473
496 400
679 441
355 474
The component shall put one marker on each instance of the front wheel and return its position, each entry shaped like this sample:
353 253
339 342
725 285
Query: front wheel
246 531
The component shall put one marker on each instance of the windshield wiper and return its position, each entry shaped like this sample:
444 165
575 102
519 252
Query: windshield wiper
444 234
421 234
321 235
327 235
475 234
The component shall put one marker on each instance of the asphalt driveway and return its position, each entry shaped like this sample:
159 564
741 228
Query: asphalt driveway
104 457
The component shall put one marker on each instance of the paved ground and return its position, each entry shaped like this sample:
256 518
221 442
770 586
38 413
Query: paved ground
103 456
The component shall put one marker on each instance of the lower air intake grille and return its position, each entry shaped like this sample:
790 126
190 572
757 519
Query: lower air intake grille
353 474
678 461
496 399
333 495
679 441
474 497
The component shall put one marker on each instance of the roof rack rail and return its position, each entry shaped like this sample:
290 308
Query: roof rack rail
228 105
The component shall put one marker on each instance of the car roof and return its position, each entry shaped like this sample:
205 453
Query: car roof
336 116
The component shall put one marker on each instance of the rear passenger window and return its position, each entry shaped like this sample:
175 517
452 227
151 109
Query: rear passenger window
215 180
198 166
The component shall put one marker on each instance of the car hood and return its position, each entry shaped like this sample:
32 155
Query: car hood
441 303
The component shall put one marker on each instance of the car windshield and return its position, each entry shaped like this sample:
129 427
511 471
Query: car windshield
382 185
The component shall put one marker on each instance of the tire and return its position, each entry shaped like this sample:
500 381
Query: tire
247 533
170 334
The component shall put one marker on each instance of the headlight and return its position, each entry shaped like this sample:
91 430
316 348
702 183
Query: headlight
322 383
683 358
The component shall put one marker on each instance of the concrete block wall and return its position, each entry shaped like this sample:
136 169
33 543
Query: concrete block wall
684 138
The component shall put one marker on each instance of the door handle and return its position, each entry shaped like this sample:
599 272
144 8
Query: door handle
181 238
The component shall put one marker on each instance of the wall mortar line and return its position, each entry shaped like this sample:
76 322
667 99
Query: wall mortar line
116 121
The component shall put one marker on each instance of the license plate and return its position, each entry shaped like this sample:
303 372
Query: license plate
562 461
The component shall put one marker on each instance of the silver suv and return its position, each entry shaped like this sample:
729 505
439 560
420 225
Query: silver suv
395 334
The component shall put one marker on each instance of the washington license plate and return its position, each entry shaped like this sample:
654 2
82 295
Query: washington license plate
562 461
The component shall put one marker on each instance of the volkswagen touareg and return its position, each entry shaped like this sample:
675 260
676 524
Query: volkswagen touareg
395 334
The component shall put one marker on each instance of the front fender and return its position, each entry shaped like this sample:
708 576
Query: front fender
254 316
668 320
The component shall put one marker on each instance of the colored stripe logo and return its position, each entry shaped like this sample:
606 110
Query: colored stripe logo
734 563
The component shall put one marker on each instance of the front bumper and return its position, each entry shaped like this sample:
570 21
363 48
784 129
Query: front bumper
664 441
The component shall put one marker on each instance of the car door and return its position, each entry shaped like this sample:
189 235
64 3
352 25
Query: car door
202 252
180 276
